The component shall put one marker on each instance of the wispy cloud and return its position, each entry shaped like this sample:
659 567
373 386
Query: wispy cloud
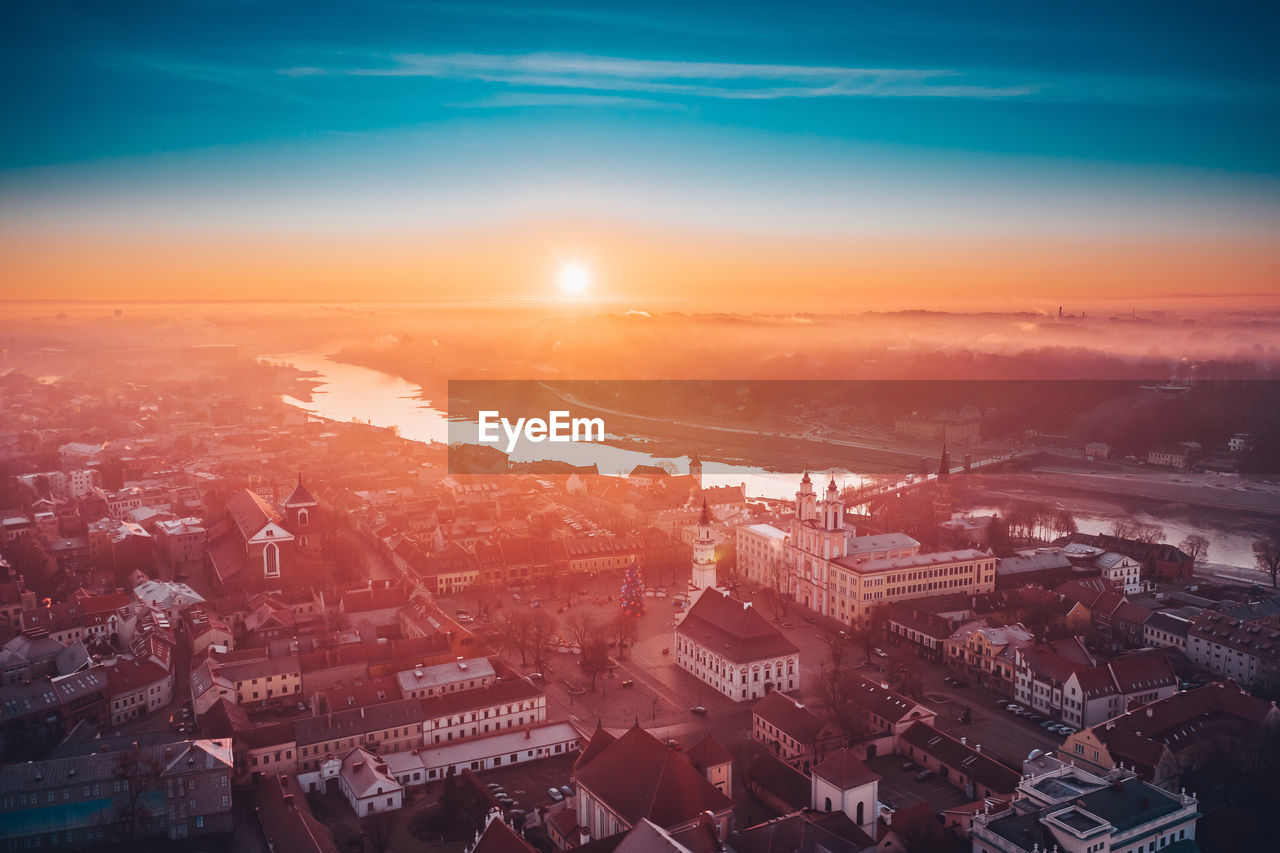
726 80
503 100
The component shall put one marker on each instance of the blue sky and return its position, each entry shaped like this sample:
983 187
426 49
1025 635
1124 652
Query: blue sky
1090 116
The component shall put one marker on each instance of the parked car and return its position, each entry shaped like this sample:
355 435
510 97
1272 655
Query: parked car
673 744
536 676
566 790
1048 724
908 766
1037 719
555 795
494 786
1067 730
628 683
925 775
699 710
880 653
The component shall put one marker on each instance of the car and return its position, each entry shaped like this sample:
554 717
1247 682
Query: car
555 795
673 744
1048 724
494 786
959 682
628 683
908 766
810 620
566 790
699 710
880 653
1036 718
1067 730
537 676
506 802
1002 703
925 775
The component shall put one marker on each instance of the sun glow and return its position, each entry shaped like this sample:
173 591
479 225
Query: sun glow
575 280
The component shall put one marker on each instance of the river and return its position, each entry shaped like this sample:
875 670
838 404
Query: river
352 393
349 392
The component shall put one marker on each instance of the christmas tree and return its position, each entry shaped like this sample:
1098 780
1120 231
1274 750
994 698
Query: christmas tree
631 597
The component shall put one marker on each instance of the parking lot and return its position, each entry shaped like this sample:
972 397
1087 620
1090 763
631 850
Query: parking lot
899 788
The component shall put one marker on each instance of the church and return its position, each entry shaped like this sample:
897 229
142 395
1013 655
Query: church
257 547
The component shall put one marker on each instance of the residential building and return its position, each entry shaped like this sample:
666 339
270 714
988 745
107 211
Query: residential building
424 681
484 752
367 783
729 645
760 552
966 767
1240 645
793 732
1070 810
1165 738
178 791
881 709
987 654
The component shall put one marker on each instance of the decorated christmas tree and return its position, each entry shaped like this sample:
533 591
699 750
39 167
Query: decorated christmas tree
631 597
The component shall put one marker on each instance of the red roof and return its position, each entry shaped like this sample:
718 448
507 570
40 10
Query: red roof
845 770
638 776
733 629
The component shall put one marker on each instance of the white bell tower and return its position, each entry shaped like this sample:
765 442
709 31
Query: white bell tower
704 554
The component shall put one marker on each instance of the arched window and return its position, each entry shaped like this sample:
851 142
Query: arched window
860 807
271 560
303 517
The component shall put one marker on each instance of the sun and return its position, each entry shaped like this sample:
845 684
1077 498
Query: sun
575 280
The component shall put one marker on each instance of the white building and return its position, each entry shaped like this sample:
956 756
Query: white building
1061 807
366 783
445 678
760 547
729 645
515 746
1123 573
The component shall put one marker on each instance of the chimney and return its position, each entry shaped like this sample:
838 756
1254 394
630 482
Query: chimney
964 741
584 836
977 747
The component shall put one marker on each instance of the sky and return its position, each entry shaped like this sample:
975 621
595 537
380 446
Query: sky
718 154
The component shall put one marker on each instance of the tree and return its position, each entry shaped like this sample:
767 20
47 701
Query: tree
631 596
1124 528
516 630
377 831
1149 533
542 635
484 594
1267 552
581 625
1196 547
624 630
136 807
595 654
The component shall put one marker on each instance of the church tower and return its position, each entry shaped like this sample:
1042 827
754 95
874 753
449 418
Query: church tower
806 500
695 472
300 515
942 489
704 554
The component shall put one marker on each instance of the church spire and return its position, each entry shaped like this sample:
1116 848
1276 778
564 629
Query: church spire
706 517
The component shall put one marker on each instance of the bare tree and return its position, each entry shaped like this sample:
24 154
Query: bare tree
136 808
623 630
377 830
542 634
1196 547
1124 528
581 624
516 630
1149 533
595 653
1267 552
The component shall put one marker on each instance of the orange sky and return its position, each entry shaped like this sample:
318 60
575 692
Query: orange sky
636 268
